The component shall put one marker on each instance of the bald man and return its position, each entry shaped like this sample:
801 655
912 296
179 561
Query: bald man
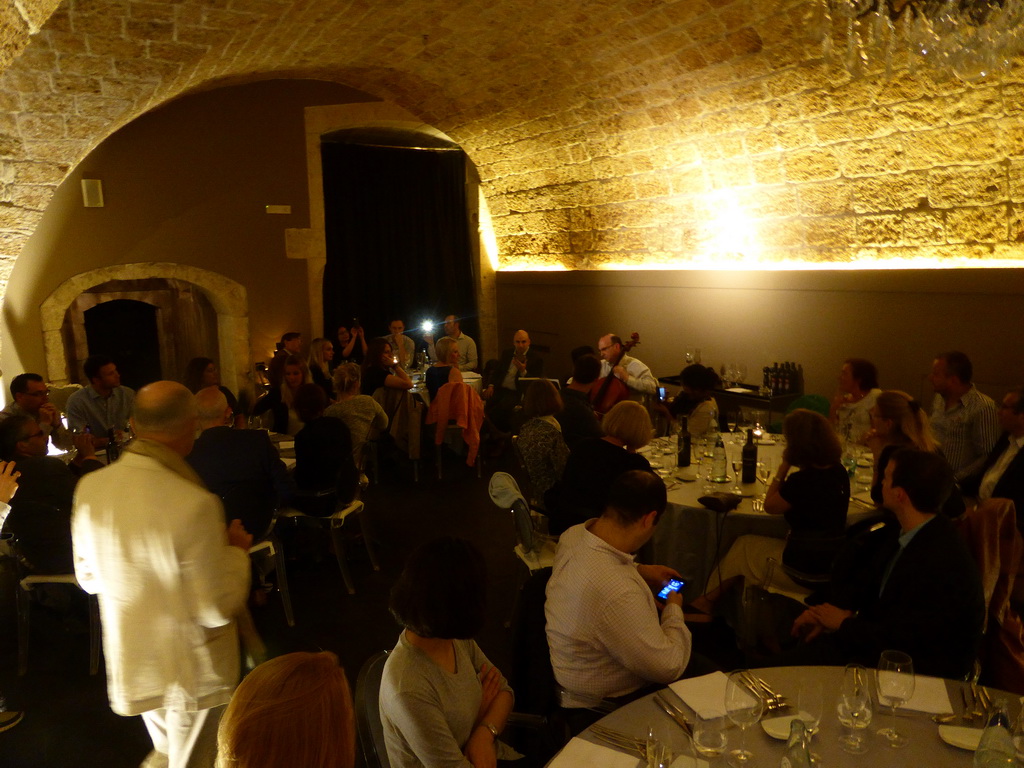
502 391
151 542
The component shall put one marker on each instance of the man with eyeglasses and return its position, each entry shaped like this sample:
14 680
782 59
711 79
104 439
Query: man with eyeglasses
1002 474
32 398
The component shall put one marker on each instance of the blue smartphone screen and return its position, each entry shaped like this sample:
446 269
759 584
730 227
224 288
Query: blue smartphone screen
674 585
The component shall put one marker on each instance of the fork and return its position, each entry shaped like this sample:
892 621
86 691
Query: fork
772 699
619 740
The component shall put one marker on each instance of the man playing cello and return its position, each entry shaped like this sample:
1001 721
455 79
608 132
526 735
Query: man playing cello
631 372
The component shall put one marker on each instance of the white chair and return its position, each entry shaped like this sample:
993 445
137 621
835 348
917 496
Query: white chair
336 522
26 584
271 547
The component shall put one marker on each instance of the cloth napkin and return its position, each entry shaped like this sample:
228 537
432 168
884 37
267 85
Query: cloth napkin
930 696
705 695
580 752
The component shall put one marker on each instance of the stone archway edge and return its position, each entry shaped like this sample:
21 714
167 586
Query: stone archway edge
228 297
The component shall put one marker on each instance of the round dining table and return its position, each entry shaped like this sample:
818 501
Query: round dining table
926 749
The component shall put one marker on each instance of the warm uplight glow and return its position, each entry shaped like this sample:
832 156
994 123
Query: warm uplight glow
488 241
729 233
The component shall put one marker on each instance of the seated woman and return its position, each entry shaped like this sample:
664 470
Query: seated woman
280 400
321 353
200 373
595 462
540 442
323 455
350 346
360 413
380 370
813 501
446 369
442 702
858 388
897 421
696 401
293 710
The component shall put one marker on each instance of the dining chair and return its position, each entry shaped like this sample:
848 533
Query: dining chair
367 706
270 547
24 609
457 410
335 521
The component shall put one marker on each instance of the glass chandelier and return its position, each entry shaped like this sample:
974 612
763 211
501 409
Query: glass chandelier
972 40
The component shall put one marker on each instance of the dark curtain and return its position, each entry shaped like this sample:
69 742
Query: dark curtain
398 242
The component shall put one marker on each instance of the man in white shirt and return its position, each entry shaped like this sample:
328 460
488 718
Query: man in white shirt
1002 474
604 631
963 419
630 371
467 347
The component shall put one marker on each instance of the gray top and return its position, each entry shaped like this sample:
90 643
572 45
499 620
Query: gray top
360 414
428 714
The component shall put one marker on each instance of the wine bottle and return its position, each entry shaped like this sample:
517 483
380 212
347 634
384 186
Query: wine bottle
749 459
719 463
996 746
113 450
684 443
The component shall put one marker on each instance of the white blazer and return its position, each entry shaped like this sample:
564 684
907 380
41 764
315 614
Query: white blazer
154 547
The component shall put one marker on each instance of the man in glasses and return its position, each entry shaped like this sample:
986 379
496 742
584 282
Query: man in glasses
31 397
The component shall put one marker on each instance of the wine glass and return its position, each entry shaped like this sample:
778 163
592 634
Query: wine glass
737 471
763 472
810 702
709 738
854 709
895 686
744 705
667 744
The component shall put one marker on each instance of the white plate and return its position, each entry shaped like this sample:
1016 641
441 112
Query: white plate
960 736
654 464
778 727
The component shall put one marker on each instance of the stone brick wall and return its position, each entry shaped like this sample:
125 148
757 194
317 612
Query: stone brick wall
626 132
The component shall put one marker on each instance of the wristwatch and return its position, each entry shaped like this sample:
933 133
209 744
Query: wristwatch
492 729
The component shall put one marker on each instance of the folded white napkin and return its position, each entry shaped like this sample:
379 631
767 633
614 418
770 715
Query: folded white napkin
580 752
930 696
705 695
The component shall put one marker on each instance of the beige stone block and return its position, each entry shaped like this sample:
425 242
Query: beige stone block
977 103
869 158
37 58
921 115
1015 179
224 19
889 193
906 87
40 126
855 125
785 110
924 228
975 143
768 170
11 245
88 128
64 41
101 106
31 196
967 186
39 173
1012 134
75 84
147 69
1016 233
745 42
781 233
811 165
880 230
102 24
977 225
197 35
773 202
130 90
69 152
836 232
10 146
1013 97
118 48
25 81
730 173
85 65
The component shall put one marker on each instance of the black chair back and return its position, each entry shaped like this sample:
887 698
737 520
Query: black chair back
367 705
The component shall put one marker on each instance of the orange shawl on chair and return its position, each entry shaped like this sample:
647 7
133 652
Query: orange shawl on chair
458 403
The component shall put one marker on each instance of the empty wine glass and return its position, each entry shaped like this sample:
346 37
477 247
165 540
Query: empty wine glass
810 702
744 705
854 709
895 686
667 745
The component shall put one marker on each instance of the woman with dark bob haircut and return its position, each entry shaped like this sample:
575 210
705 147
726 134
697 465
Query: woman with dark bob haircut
813 501
442 703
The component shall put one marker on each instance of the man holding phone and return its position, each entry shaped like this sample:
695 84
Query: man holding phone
604 630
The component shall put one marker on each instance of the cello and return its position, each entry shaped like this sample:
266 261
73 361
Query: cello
610 389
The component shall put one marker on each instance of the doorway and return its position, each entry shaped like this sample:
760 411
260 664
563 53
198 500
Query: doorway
126 331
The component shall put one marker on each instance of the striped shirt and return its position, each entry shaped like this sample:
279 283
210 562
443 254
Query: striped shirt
966 432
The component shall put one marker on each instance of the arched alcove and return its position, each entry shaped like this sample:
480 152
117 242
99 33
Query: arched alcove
228 298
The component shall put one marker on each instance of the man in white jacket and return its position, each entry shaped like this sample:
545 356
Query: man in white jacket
151 542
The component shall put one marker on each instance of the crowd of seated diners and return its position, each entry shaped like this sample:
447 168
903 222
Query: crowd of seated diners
908 581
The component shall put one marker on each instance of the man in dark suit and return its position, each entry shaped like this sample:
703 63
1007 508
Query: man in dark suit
40 516
911 586
501 391
1002 474
241 466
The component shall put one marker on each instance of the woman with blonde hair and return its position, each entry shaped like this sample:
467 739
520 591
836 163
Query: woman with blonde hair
294 710
595 462
446 369
813 501
321 353
540 443
361 413
898 421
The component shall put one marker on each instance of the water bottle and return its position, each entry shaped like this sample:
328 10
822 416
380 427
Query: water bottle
996 747
719 463
797 754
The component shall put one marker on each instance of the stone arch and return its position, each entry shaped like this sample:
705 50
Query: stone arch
310 244
228 298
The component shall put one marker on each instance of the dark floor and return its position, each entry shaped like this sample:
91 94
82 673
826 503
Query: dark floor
68 723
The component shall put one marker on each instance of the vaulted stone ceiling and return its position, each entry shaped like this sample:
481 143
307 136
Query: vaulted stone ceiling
611 132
